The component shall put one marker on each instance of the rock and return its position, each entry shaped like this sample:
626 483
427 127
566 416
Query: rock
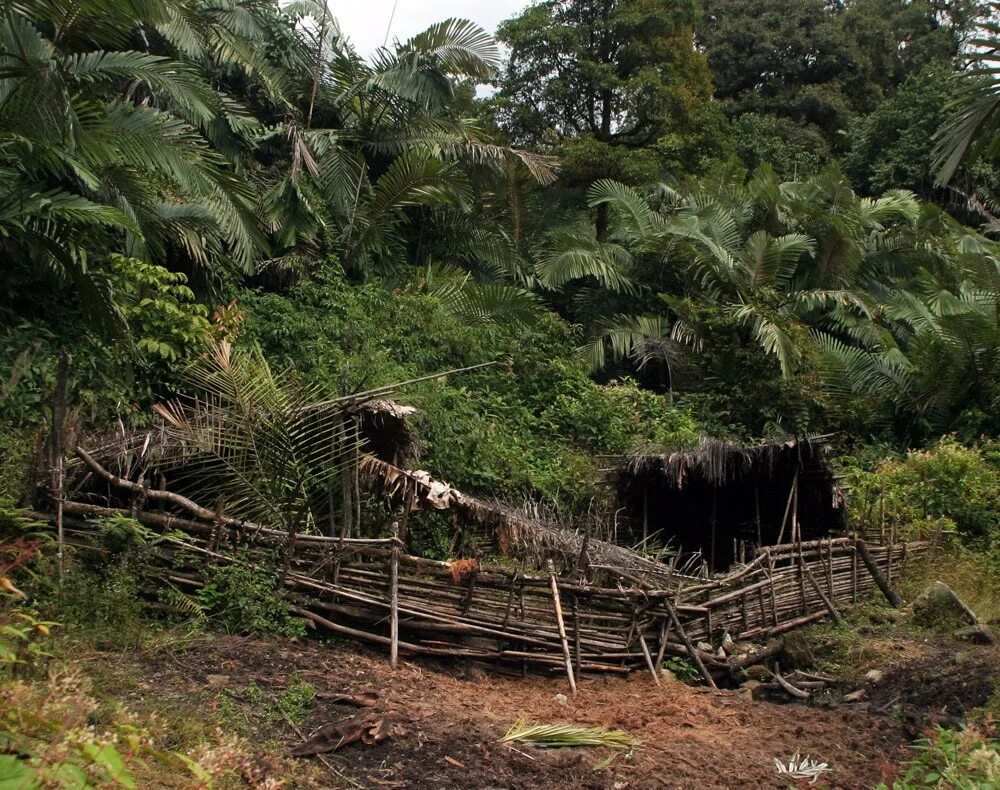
759 672
855 696
705 647
728 644
721 653
795 652
217 681
874 676
939 608
669 676
977 634
751 688
562 699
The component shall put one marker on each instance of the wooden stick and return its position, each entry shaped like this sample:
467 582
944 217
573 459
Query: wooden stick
687 643
788 505
561 626
58 451
876 574
826 601
795 692
649 659
394 601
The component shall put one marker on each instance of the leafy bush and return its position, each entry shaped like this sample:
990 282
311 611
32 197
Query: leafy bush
946 481
247 600
533 427
955 759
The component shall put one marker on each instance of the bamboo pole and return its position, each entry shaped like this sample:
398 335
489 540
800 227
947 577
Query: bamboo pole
394 600
57 453
649 659
561 626
826 600
788 505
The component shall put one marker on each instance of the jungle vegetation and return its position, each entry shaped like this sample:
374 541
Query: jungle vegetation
689 230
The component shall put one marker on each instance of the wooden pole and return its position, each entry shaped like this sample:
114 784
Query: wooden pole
788 505
796 529
876 574
826 601
649 660
57 452
561 626
394 600
672 612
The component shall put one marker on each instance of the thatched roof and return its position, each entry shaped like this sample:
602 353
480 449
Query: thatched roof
718 462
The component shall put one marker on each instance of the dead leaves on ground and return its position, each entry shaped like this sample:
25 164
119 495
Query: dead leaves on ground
335 735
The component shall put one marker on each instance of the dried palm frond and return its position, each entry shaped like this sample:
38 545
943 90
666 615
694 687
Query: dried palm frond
547 736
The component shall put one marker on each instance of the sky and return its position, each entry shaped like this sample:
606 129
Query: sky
364 22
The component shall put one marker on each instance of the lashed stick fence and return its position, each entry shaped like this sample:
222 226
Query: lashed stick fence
489 613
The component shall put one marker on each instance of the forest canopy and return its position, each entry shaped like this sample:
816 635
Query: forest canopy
675 219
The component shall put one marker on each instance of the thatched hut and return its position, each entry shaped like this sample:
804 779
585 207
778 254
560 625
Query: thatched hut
723 501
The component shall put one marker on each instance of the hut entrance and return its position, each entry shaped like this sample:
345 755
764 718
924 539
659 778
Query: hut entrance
719 503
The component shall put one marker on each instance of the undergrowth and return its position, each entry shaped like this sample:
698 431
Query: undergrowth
966 759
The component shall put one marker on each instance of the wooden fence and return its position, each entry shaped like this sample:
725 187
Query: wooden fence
371 590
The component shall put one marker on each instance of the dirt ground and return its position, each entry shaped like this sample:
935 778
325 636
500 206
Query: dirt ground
446 722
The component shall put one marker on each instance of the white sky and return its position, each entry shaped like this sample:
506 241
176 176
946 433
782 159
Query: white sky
364 22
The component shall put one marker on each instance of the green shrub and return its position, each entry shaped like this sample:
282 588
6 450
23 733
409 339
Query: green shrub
946 481
534 428
955 759
247 600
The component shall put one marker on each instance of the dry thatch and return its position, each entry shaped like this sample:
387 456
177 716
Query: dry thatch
718 462
722 502
517 534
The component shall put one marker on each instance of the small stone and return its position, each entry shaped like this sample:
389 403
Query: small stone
977 634
562 699
705 647
217 681
728 644
669 676
720 653
759 672
874 676
855 696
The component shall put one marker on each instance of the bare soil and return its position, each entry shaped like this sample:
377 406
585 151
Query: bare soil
446 722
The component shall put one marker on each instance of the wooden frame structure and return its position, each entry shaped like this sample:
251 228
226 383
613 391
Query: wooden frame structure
606 609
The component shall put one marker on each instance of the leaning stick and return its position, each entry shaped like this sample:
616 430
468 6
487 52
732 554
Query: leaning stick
795 692
394 600
876 574
562 626
649 660
826 601
687 643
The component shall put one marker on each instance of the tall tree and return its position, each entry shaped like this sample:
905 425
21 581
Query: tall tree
820 64
606 80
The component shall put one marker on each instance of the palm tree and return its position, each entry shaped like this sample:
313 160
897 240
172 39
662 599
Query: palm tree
107 147
973 130
265 441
